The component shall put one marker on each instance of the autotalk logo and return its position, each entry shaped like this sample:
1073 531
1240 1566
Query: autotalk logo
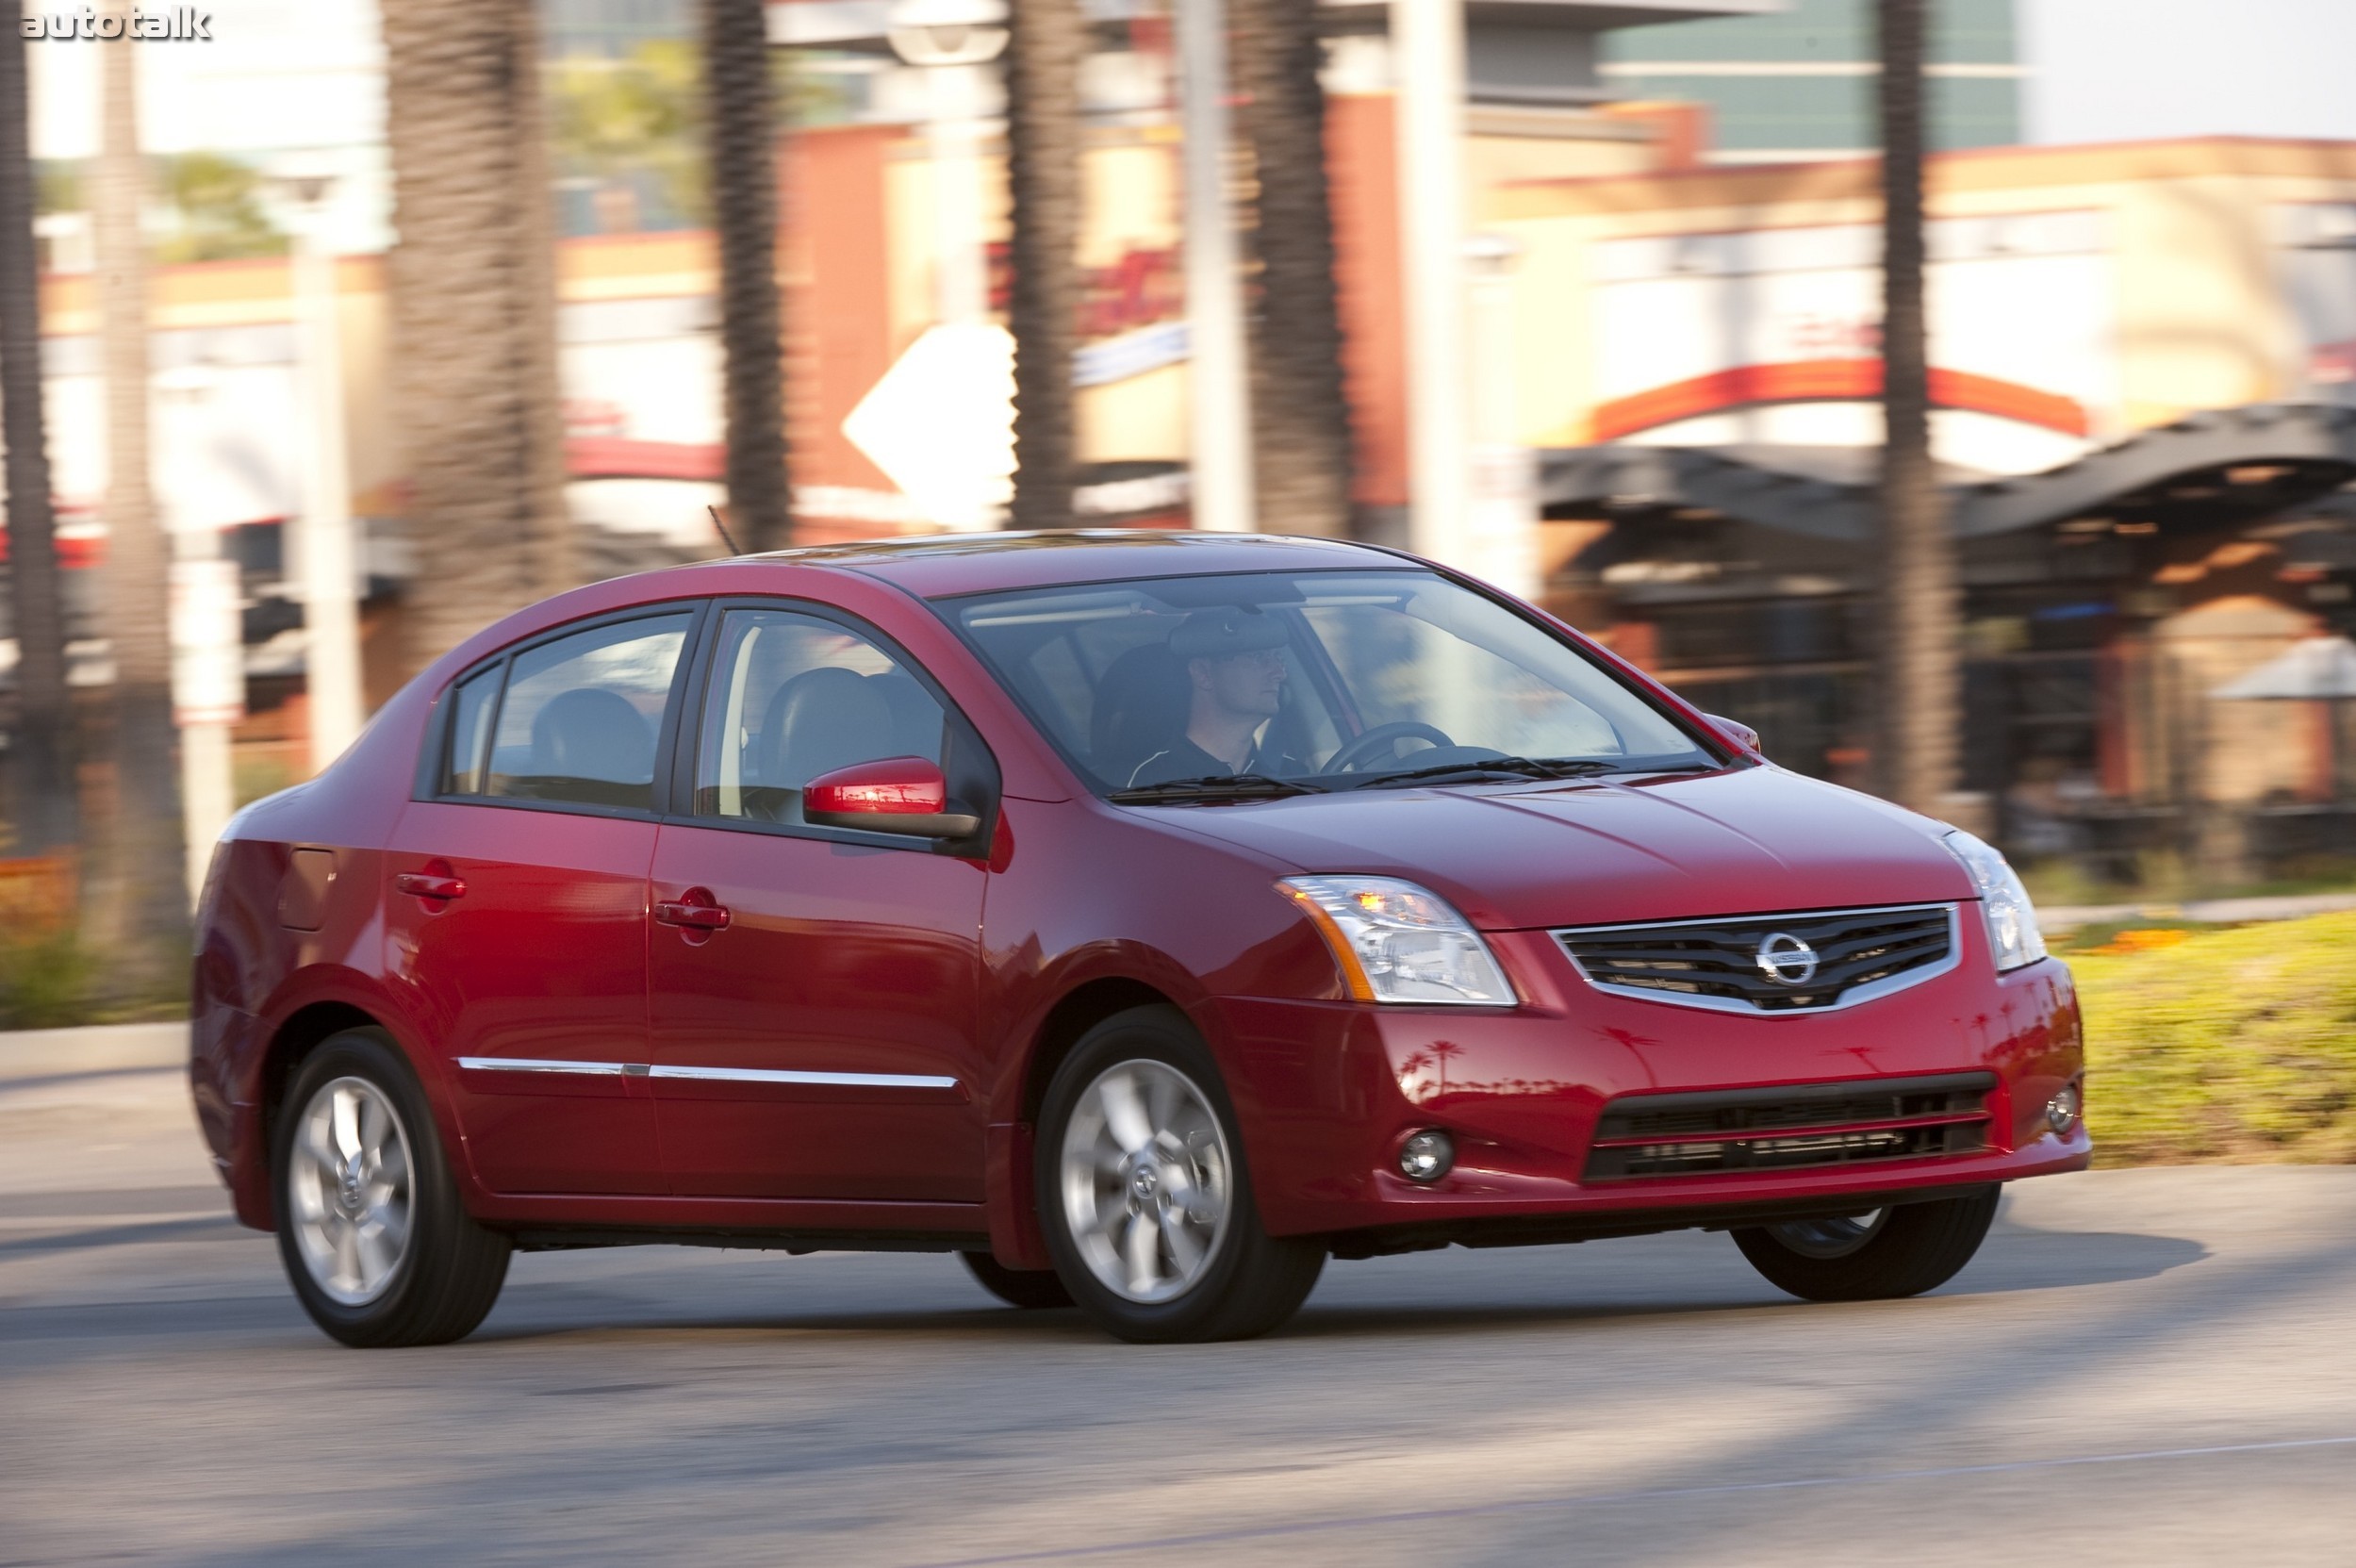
180 24
1787 960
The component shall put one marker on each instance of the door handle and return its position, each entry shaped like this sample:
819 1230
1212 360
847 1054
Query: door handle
692 913
430 884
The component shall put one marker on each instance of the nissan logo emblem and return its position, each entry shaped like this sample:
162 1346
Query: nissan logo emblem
1785 960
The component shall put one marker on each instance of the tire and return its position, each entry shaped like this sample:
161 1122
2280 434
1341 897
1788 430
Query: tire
1211 1273
1897 1252
374 1240
1034 1290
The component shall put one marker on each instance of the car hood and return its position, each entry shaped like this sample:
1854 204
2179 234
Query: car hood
1597 851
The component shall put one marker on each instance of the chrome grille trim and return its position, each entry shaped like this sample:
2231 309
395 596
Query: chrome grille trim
1565 939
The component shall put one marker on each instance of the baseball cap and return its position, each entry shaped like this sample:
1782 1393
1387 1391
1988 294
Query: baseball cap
1216 633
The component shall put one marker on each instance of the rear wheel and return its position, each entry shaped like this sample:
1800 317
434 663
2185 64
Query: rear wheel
1873 1256
1145 1197
379 1248
1032 1289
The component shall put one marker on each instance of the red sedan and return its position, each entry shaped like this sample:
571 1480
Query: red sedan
1146 917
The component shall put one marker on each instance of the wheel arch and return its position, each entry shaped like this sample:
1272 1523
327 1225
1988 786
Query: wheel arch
1076 1012
303 1031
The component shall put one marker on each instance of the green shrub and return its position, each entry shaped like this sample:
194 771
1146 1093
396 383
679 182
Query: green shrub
46 981
2233 1045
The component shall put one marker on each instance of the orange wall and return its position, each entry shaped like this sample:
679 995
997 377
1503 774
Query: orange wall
837 312
1362 163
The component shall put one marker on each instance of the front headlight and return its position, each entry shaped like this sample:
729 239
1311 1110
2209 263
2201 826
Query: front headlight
1397 942
2012 921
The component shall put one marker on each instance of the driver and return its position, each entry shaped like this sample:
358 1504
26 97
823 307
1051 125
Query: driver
1234 661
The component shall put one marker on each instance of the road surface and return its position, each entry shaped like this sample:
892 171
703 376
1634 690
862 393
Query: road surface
2142 1367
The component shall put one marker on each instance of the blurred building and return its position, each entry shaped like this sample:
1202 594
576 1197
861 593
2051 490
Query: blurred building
1798 82
2146 412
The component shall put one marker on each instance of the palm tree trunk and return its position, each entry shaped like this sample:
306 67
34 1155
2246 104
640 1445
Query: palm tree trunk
1300 415
473 315
1043 129
139 903
1921 686
744 210
42 758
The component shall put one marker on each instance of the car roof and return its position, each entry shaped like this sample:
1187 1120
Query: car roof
941 565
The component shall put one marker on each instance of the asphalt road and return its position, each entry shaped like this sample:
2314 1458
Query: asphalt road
2149 1367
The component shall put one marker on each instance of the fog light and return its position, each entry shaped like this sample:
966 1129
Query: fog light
1427 1156
2061 1112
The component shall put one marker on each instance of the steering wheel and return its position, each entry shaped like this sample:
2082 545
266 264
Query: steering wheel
1381 740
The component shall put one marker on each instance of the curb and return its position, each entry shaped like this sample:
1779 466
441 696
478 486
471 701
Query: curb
104 1048
2221 910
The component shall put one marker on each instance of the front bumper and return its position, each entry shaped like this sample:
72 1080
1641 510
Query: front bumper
1326 1091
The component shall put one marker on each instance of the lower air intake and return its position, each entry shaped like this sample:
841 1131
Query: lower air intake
1714 1132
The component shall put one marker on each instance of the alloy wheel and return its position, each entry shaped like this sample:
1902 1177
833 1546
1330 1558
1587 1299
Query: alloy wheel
1830 1238
1146 1181
350 1190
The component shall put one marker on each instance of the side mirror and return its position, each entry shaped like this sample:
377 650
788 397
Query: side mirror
1741 734
901 794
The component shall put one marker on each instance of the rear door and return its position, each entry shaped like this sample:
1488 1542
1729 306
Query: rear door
518 901
822 1043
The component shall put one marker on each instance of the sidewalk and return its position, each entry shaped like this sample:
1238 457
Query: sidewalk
104 1048
2062 917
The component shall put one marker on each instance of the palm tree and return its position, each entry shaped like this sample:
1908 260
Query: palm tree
1049 38
140 899
46 817
744 210
1921 687
1300 416
473 315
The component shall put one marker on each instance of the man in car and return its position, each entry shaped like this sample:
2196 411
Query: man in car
1234 662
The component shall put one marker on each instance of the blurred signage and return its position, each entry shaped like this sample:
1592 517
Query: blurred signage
1772 337
208 643
940 424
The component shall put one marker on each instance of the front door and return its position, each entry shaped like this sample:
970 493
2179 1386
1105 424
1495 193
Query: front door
518 900
813 991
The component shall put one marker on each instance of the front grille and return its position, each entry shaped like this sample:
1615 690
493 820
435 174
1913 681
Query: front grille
1715 1131
1858 954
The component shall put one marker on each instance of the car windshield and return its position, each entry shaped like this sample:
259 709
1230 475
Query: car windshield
1273 684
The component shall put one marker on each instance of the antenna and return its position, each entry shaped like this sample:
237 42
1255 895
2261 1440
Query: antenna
723 528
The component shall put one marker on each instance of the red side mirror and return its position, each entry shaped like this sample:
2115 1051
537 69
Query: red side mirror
1741 734
898 795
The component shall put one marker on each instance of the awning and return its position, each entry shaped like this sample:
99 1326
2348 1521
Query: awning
2229 465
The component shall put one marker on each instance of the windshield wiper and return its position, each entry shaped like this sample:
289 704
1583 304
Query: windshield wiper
1487 768
1212 787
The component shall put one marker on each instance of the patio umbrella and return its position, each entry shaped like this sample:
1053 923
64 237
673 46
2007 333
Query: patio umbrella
2320 669
2317 670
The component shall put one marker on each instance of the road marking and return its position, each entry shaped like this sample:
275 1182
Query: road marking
1312 1527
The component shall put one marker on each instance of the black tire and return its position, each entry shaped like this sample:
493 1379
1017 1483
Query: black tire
1249 1281
447 1271
1033 1290
1909 1250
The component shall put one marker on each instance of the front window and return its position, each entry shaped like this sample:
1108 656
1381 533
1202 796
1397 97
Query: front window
1311 680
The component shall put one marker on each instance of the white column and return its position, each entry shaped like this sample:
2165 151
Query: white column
1501 544
961 274
331 611
207 689
1218 384
1427 68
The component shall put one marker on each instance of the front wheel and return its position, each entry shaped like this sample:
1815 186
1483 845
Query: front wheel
1873 1256
1145 1197
379 1248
